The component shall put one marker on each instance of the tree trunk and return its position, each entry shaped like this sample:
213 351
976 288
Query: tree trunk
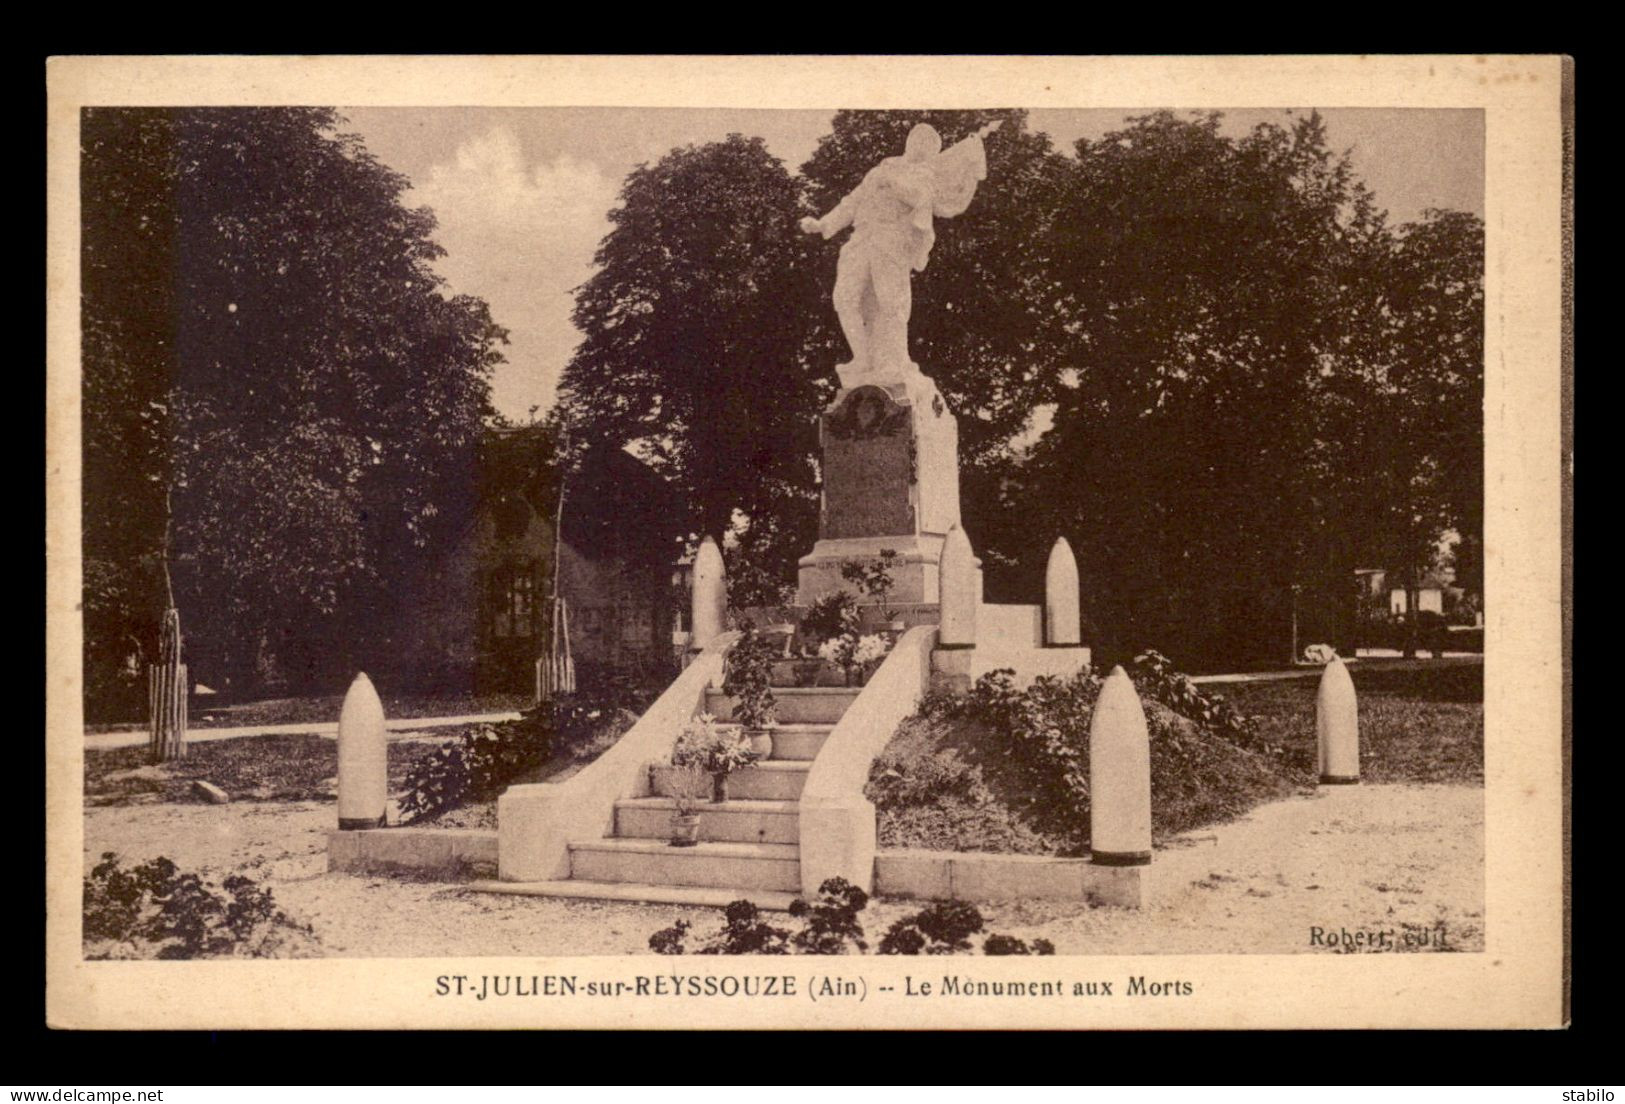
166 694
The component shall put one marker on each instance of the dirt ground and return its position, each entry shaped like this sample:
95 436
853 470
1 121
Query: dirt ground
1401 858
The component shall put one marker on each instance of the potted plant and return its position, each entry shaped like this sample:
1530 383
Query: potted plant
747 679
718 751
867 654
831 625
688 786
873 578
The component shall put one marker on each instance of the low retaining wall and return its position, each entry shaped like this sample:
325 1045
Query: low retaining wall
980 876
454 851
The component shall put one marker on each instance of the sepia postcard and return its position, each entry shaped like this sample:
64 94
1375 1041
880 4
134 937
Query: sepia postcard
561 541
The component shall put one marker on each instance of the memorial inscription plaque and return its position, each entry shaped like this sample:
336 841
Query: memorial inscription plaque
868 467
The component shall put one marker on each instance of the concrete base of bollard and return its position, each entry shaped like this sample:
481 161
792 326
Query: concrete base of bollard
975 876
1339 780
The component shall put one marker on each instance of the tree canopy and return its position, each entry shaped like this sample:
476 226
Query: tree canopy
276 387
695 332
1253 383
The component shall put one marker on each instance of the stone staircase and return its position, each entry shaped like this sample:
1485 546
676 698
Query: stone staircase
749 845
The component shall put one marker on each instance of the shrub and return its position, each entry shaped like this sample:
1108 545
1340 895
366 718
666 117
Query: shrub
1156 679
155 910
1035 750
832 927
488 758
1042 738
831 616
943 928
1010 945
747 677
896 784
478 767
743 932
873 578
669 941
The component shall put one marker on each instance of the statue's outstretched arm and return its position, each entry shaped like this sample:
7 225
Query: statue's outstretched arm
839 217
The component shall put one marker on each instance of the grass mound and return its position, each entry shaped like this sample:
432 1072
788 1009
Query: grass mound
1007 771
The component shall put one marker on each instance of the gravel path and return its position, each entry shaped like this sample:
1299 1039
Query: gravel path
1387 857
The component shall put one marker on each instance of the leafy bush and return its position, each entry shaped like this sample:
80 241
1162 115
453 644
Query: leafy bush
873 578
747 675
488 758
1034 751
1044 738
706 745
943 928
743 932
1009 945
895 783
1156 679
156 911
832 927
830 617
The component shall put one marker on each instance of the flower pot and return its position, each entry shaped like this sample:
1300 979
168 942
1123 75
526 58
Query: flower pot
761 741
719 788
685 829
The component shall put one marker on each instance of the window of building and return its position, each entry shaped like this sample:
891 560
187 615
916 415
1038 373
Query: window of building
514 594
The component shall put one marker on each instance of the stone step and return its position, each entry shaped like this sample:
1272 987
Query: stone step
732 821
770 866
1009 626
797 705
769 780
641 893
793 741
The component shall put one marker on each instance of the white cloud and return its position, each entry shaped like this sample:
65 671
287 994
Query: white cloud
521 237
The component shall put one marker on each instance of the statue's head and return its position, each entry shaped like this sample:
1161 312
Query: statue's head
923 141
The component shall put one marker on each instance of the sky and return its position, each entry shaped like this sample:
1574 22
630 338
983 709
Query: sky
522 194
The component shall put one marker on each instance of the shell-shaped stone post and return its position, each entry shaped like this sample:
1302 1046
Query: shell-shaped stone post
1119 776
1061 620
961 589
710 595
1337 726
363 757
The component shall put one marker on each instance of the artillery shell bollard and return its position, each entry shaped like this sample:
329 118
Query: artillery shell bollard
709 599
957 625
363 758
1337 726
1119 776
1061 620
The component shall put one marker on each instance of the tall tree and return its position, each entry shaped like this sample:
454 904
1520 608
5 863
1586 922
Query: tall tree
1207 300
267 348
695 335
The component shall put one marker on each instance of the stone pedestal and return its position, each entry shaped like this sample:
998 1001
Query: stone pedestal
891 481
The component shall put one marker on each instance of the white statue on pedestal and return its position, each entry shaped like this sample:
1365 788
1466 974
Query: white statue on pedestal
891 215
